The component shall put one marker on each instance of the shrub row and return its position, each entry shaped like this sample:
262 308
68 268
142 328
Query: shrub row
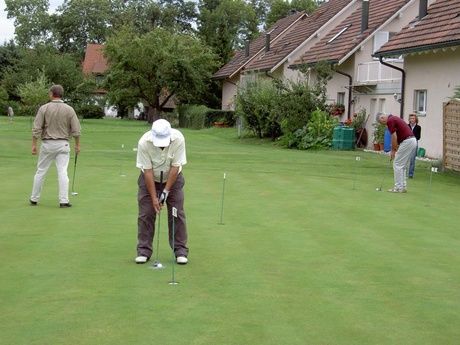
200 116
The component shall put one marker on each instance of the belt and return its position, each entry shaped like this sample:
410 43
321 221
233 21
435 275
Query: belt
55 139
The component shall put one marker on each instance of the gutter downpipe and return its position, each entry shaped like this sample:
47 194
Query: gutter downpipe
350 91
403 83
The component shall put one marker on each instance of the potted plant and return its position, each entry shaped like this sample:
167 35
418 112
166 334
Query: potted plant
379 136
358 123
336 109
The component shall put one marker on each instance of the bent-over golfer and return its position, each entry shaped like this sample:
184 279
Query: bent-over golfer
54 124
161 152
403 145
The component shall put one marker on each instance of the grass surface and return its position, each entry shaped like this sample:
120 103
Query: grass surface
309 252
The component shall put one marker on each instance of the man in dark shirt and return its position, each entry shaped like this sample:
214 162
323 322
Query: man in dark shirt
403 145
417 130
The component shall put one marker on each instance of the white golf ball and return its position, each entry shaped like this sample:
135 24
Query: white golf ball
377 188
159 265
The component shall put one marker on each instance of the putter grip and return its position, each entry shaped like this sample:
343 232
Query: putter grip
161 182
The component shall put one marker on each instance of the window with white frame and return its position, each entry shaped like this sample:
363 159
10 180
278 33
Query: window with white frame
420 102
341 98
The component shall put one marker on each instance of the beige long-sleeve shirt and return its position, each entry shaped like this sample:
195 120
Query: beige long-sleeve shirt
56 120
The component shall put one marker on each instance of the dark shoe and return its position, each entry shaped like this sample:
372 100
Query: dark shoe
410 176
65 205
33 203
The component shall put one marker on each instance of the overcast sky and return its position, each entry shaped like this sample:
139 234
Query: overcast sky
7 25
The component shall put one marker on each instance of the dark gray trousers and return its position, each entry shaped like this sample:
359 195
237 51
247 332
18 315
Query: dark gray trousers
146 217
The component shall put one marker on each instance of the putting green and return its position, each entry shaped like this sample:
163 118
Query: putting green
309 252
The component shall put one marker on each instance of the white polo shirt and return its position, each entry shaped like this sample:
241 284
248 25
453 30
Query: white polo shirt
151 157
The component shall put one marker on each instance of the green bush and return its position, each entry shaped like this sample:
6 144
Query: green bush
217 115
297 102
192 116
89 111
200 116
256 104
317 134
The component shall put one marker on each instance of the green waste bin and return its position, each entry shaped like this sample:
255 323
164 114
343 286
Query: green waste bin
343 138
421 152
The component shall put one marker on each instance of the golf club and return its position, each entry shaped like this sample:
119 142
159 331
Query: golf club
157 264
73 178
379 189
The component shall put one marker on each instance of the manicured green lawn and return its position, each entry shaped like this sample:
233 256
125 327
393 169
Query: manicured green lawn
309 253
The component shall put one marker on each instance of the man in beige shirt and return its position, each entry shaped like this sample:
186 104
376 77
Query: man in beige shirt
161 153
54 124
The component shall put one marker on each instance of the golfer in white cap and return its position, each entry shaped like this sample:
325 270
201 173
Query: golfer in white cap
160 156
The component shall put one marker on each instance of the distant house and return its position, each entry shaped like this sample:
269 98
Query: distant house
430 45
95 64
230 73
360 78
270 54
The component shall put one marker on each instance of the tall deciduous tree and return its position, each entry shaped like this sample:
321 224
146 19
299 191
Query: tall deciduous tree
78 22
225 24
31 21
156 67
281 8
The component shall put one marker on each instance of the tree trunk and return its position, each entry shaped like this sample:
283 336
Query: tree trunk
153 114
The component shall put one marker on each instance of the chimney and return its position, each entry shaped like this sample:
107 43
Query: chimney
267 42
246 48
365 16
423 9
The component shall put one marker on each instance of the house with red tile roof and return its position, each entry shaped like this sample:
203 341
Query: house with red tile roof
94 63
360 81
270 54
430 45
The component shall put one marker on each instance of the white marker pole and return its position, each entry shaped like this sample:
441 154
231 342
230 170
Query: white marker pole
357 159
222 203
173 277
122 174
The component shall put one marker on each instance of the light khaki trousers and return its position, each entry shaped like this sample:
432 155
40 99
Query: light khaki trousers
57 151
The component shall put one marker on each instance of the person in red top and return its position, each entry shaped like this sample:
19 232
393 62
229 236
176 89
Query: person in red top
403 145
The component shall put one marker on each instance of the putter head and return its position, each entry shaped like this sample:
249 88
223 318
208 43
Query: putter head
378 189
157 265
74 193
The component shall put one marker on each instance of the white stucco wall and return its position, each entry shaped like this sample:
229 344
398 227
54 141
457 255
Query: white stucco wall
229 91
439 74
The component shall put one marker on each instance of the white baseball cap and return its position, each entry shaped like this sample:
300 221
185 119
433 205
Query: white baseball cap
161 133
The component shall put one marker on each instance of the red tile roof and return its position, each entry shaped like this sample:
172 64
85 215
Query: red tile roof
379 12
239 60
94 62
439 28
299 32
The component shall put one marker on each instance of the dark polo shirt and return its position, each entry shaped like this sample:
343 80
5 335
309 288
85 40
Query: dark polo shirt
403 131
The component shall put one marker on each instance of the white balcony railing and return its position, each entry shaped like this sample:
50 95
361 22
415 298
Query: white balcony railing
374 72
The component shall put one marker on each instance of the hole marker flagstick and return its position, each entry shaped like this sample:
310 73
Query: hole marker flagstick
157 264
433 170
222 203
173 277
357 159
122 174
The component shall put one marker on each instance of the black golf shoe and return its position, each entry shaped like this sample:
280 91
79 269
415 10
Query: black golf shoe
65 205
